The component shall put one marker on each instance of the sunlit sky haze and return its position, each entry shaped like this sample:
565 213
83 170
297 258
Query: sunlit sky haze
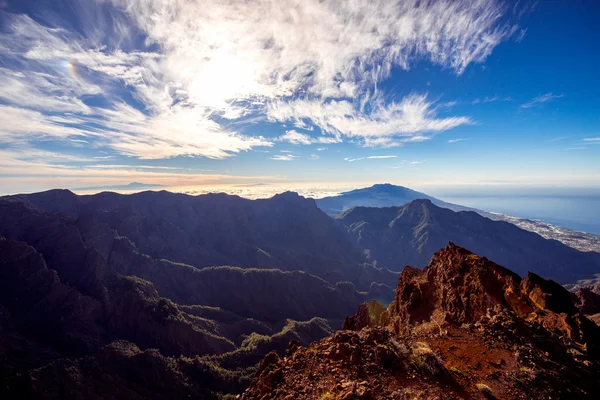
427 94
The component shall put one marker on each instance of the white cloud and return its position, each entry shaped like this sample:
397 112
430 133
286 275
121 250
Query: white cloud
266 49
283 157
380 157
295 137
491 99
456 140
541 99
51 80
206 62
404 163
21 125
388 125
556 139
349 159
596 139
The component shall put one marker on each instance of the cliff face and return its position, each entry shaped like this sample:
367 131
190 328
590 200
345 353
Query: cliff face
463 327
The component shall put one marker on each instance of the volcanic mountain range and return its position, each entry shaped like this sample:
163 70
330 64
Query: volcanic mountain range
91 284
463 327
387 195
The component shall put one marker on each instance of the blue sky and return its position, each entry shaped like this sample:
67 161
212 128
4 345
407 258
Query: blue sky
424 94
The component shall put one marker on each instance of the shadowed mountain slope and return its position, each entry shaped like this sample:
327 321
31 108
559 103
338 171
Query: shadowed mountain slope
386 195
463 327
409 235
286 232
64 293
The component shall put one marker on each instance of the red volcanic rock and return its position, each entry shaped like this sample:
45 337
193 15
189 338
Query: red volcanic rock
463 327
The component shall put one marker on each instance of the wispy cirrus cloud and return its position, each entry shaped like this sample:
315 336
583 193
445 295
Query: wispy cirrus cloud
544 98
283 157
405 163
350 159
456 140
388 125
491 99
161 79
558 138
295 137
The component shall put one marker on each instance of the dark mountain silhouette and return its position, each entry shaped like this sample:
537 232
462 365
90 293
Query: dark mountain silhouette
162 295
387 195
286 232
69 287
463 327
409 235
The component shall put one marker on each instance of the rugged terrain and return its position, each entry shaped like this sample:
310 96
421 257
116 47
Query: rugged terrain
409 235
286 232
463 327
80 304
387 195
161 295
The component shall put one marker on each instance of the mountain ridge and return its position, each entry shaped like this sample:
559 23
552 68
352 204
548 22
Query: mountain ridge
388 195
411 234
218 229
113 302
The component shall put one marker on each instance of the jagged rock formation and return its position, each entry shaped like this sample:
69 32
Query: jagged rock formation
592 284
411 234
463 327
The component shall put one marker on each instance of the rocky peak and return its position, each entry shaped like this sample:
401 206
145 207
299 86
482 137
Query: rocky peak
464 327
456 287
294 198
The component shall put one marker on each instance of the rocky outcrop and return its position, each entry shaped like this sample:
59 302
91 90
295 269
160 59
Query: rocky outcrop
464 327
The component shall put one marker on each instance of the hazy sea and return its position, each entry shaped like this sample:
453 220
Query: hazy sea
579 212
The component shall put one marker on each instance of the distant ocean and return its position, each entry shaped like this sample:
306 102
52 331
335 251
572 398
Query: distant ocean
579 212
